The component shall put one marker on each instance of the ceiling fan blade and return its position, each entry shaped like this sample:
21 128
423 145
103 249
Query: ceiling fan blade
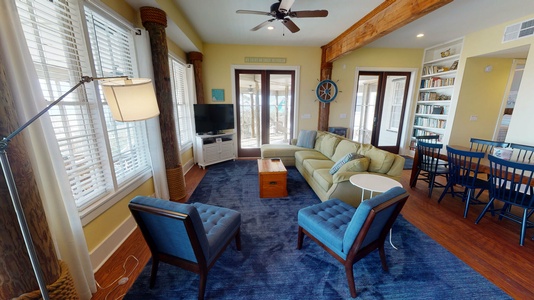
285 6
290 25
262 25
308 13
253 12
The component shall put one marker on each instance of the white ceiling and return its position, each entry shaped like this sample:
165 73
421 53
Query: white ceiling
217 22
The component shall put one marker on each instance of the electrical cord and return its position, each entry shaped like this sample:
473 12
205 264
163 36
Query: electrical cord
122 279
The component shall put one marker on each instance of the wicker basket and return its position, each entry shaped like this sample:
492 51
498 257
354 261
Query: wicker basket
63 288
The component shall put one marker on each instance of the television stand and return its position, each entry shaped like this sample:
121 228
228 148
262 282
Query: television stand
214 148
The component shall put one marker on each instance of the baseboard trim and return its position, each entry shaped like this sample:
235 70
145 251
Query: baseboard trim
105 249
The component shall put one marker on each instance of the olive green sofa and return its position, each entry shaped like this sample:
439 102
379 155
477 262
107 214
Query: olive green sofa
315 164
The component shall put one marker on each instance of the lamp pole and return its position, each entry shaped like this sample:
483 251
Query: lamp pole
6 168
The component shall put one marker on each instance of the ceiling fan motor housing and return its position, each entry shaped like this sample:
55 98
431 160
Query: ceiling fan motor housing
277 13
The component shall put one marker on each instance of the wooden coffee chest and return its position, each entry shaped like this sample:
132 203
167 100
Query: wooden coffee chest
272 178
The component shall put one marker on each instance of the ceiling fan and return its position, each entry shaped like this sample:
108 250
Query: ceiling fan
281 10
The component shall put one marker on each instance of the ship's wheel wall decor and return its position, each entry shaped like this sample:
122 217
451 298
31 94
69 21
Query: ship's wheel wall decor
326 91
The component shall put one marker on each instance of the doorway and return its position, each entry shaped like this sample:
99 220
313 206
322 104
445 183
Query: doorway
265 106
514 81
379 111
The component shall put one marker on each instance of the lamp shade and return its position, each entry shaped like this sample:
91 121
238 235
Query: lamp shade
131 99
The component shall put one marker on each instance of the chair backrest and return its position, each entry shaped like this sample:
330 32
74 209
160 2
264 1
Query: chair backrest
429 154
486 146
427 138
171 228
511 182
373 218
463 166
522 153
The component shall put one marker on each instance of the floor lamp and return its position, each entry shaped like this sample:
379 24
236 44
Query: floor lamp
128 100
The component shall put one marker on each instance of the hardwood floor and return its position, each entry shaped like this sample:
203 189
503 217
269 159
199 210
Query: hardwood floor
491 247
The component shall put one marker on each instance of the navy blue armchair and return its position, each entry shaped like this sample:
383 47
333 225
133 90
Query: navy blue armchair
349 233
190 236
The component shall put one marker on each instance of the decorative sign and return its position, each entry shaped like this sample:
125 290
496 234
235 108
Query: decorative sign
217 95
266 60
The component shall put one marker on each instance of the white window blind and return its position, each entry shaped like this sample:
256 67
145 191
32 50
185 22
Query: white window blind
111 47
182 105
99 154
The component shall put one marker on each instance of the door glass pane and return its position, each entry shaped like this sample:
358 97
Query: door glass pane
250 110
392 110
279 108
365 108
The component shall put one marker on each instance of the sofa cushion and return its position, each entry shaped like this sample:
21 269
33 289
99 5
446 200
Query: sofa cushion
323 178
319 139
329 144
381 161
279 150
309 154
306 138
345 159
345 147
356 165
311 165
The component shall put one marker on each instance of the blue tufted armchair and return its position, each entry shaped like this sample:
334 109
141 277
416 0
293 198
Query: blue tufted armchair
191 236
349 233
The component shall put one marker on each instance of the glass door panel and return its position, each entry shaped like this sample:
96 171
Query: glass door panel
364 114
390 120
265 109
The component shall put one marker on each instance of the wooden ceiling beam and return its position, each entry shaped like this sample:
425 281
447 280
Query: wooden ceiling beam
385 18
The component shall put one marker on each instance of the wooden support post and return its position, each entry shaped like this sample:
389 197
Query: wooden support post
195 58
15 270
324 108
155 22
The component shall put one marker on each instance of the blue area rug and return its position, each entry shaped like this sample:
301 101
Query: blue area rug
408 162
270 267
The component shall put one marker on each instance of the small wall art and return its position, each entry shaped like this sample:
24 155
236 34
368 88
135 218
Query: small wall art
217 95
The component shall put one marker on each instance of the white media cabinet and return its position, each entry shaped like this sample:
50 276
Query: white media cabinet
212 149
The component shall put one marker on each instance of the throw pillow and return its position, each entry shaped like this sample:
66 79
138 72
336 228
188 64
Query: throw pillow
355 165
306 138
342 161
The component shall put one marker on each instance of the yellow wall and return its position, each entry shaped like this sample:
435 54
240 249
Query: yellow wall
218 60
102 226
481 95
344 73
486 42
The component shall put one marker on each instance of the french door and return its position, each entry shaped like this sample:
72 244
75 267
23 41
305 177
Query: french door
379 111
264 104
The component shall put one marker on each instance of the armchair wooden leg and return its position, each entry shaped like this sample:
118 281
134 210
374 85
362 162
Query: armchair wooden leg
300 238
202 285
350 279
383 257
154 271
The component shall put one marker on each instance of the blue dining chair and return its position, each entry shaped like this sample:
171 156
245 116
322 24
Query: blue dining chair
463 171
486 146
429 165
190 236
348 233
523 153
511 183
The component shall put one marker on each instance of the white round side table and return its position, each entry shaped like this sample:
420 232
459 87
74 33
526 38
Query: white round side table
374 184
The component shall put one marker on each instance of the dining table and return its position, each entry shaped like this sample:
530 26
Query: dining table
484 166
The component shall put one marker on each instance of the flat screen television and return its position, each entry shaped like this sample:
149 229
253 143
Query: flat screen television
213 118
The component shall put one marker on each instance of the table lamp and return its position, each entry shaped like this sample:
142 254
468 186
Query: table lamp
128 99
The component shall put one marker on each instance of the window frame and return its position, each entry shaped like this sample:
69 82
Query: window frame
188 106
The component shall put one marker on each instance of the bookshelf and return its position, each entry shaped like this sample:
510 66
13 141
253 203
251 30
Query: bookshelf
438 80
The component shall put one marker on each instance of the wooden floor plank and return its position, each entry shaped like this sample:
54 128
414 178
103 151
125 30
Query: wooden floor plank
491 247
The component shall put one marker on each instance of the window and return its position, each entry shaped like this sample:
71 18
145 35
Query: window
182 105
101 156
396 105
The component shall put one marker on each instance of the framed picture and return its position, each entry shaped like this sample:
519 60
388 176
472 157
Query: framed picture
217 95
454 65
